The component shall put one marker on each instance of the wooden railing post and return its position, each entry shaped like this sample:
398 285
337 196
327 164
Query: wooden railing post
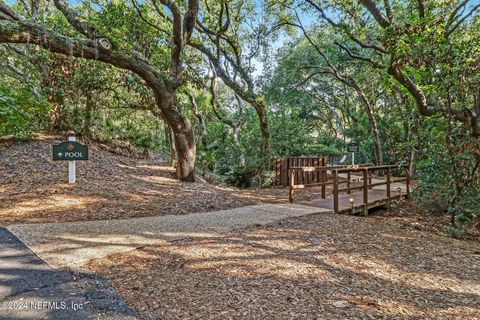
349 177
365 191
324 177
389 182
291 183
335 190
370 178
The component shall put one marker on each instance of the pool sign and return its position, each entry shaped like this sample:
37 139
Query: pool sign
70 151
353 147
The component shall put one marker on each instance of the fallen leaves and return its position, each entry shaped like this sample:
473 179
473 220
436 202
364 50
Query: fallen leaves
340 304
314 267
33 187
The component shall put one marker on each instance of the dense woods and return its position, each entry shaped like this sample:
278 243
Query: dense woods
220 88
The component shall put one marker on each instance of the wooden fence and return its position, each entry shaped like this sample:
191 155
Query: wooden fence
282 169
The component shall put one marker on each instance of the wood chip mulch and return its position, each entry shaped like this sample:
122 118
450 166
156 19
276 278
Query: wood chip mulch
34 188
315 267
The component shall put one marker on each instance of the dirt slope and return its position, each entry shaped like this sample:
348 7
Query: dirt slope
34 188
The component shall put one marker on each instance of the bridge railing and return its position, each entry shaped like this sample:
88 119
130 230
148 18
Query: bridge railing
367 184
350 180
295 172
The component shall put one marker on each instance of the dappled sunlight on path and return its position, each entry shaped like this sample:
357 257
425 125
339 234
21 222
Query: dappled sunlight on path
332 266
74 243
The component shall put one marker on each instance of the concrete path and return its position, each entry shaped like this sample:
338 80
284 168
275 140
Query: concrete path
30 289
74 243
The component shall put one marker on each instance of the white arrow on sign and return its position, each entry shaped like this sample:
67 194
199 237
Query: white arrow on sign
59 154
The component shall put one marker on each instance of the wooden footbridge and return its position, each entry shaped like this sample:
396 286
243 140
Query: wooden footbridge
355 189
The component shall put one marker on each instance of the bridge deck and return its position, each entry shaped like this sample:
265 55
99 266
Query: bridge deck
376 197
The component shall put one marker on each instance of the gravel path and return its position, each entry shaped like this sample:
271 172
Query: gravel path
30 289
72 244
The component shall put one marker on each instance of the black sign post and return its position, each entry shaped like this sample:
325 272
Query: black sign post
353 148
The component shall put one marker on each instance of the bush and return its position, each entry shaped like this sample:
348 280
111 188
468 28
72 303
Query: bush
264 179
240 177
434 186
20 113
436 189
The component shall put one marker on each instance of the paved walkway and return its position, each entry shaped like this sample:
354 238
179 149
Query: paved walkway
74 243
30 289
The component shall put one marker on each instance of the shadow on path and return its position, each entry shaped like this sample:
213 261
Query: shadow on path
30 289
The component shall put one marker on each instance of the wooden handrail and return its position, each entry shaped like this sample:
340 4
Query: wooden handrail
366 179
365 191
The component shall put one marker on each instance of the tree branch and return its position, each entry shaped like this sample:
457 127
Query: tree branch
9 13
361 58
463 115
77 22
459 22
345 30
421 8
376 13
25 32
150 23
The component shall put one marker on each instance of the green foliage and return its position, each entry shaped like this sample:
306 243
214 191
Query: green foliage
434 186
448 181
20 112
465 210
238 176
321 149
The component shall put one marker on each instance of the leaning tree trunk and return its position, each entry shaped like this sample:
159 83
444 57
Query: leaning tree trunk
185 146
260 109
183 135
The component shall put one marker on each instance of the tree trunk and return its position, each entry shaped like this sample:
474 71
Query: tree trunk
413 162
376 141
170 145
260 108
185 146
236 143
183 136
201 120
57 117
